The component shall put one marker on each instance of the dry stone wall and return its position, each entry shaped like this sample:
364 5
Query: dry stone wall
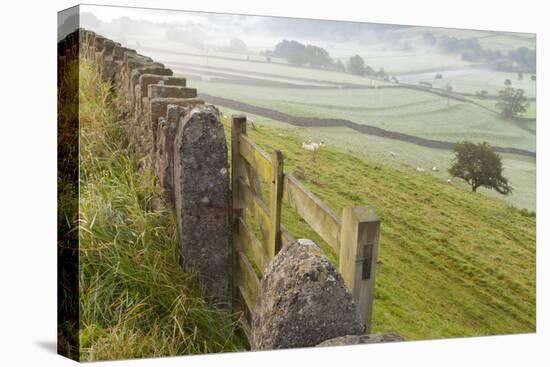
182 140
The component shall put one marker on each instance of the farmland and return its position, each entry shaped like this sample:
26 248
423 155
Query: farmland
307 92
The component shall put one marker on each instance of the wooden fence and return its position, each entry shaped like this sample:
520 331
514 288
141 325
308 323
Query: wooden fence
354 236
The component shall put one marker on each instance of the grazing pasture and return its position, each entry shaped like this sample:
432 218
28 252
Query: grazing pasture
520 170
451 262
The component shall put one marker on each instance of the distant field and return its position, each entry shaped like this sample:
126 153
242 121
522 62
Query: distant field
476 80
307 92
509 41
503 41
530 114
281 70
520 170
403 110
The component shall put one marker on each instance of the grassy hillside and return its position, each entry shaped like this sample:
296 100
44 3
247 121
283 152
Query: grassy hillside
135 299
452 263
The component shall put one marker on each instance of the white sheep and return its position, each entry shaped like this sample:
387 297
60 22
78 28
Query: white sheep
449 181
393 154
435 169
420 169
312 147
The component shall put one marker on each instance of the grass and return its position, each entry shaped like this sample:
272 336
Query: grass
135 299
404 110
398 109
477 80
520 170
452 263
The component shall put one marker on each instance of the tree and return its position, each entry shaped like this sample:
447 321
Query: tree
356 65
507 82
512 102
292 51
533 78
317 57
479 166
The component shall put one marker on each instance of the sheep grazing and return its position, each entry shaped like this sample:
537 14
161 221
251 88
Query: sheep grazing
435 169
312 147
393 154
420 169
449 181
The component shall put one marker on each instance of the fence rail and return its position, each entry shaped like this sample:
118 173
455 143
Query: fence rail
354 236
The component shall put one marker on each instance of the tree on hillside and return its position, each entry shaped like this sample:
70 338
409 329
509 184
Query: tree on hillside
297 53
534 78
356 65
317 57
292 51
479 166
512 102
507 82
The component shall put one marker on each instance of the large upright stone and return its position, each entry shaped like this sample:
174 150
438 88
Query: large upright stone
164 162
302 301
201 188
157 108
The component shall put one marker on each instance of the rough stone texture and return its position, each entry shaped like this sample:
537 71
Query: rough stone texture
157 108
302 301
164 162
201 188
153 68
361 339
146 79
170 91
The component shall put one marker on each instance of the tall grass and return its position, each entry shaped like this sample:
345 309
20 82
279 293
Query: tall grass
135 299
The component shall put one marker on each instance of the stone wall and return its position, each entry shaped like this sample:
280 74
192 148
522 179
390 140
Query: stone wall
182 140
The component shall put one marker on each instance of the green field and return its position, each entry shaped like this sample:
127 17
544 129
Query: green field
277 69
396 109
404 110
452 263
477 80
518 169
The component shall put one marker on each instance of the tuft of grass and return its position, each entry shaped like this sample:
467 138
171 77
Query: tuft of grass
452 263
135 300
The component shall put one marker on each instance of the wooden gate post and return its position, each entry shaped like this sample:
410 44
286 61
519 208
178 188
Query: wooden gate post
238 127
358 255
275 203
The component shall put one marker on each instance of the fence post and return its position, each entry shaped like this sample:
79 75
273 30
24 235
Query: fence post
358 255
275 203
238 127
